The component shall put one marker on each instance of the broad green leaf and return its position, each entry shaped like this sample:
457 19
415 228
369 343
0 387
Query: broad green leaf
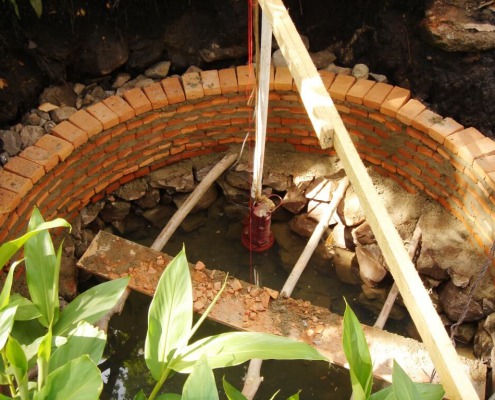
90 306
16 357
44 352
169 396
41 271
37 6
170 315
430 391
140 396
7 286
26 310
357 354
402 385
2 397
8 249
295 396
231 391
384 394
26 332
79 379
201 383
85 339
6 323
16 9
233 348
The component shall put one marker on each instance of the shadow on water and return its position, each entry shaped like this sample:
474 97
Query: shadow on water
217 244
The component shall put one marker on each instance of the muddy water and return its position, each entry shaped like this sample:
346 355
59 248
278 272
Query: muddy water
217 244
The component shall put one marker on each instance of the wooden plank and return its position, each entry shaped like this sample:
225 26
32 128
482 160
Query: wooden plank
245 307
456 382
319 106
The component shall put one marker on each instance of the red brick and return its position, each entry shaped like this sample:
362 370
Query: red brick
137 100
156 95
40 156
71 133
211 82
133 124
8 201
55 145
120 107
425 120
484 165
341 86
283 79
409 111
228 80
15 183
192 85
440 130
394 101
479 148
327 78
462 138
103 114
246 77
357 92
82 119
173 90
377 95
25 168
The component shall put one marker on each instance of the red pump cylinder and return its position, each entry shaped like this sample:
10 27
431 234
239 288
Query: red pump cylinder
257 235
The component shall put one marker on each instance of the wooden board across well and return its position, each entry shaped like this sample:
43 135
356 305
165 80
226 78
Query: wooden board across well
246 307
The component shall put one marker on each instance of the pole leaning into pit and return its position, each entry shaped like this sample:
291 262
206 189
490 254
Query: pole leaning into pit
192 200
322 113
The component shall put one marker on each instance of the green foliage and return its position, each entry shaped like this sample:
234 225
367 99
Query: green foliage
169 331
64 346
361 370
36 4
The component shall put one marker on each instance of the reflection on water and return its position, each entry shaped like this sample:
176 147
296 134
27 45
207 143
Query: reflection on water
217 243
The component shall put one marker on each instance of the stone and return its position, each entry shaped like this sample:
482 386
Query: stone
174 178
68 276
379 294
371 270
350 210
303 225
240 179
206 200
30 135
453 301
159 215
276 180
346 266
62 113
233 194
397 313
379 78
193 68
216 52
235 212
321 189
360 71
465 333
340 236
82 245
363 235
33 119
323 58
133 190
58 95
483 344
278 59
11 142
459 280
4 158
317 210
193 222
159 70
121 79
78 88
115 211
90 212
338 70
150 199
294 200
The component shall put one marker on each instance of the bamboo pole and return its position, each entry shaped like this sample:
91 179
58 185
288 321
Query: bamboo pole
192 200
323 113
308 251
394 291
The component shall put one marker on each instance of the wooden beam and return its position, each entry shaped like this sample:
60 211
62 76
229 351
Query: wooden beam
112 257
456 382
319 106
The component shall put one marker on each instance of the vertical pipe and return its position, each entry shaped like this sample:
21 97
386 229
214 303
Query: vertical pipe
262 105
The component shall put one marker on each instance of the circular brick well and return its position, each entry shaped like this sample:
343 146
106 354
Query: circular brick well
123 138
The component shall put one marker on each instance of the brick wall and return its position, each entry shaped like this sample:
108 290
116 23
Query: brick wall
120 139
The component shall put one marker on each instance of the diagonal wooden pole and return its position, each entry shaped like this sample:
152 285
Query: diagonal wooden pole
323 113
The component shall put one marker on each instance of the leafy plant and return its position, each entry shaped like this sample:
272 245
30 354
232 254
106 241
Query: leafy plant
361 370
62 345
170 329
36 4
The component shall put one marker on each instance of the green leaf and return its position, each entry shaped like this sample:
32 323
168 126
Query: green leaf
41 271
26 310
16 358
170 315
169 396
85 339
233 348
430 391
8 249
402 385
201 383
358 355
231 391
140 396
384 394
90 306
79 379
7 286
37 6
44 351
295 396
6 323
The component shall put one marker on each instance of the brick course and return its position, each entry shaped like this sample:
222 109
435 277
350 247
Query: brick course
122 138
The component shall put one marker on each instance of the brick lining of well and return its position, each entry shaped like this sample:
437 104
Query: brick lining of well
123 138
